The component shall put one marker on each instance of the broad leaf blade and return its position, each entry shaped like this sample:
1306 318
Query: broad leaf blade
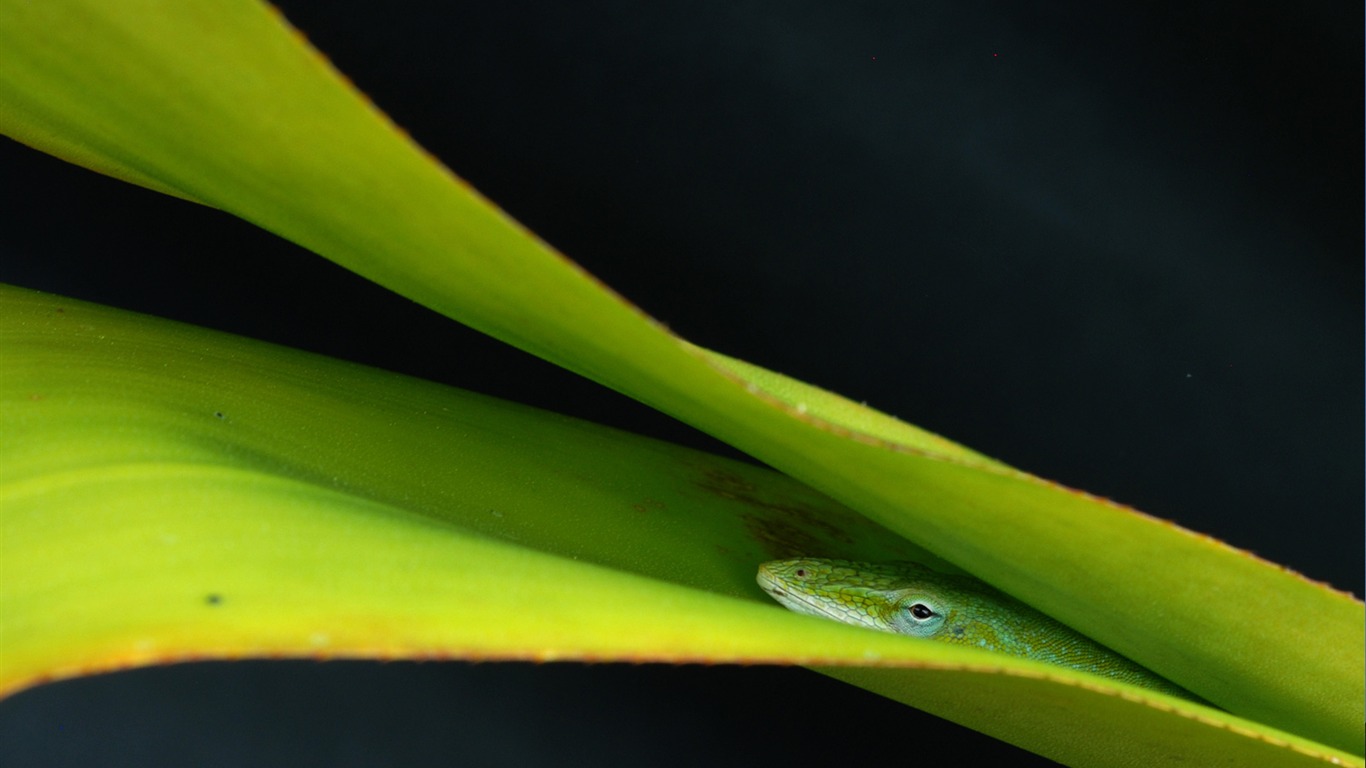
170 493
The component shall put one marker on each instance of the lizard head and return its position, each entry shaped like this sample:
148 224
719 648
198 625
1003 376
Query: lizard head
892 597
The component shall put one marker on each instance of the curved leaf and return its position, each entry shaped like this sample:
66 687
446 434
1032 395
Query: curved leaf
170 493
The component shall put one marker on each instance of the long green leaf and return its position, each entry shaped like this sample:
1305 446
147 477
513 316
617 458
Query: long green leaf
169 493
221 103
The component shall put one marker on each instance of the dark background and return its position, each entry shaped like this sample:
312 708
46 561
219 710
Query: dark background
1122 251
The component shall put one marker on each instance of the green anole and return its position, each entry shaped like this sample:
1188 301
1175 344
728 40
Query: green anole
910 599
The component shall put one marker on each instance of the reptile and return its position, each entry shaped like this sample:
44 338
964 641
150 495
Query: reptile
910 599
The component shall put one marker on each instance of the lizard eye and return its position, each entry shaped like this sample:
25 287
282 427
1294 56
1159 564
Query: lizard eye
921 611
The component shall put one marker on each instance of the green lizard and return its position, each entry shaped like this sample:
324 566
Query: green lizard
910 599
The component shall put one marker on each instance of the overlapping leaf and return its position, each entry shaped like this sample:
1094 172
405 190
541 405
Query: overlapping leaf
173 493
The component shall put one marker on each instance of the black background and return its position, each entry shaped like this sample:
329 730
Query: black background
1119 250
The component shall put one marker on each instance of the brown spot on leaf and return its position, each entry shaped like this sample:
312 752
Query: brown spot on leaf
648 504
782 526
780 539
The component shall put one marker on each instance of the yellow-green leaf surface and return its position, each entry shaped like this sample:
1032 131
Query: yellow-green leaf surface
170 492
222 103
